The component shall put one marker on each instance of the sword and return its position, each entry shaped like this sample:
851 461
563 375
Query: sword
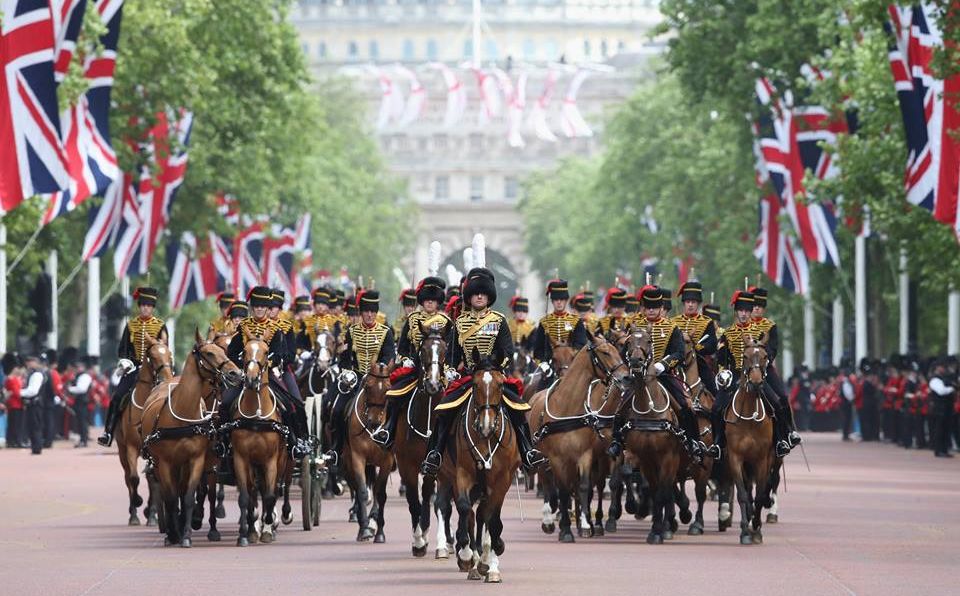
519 500
804 453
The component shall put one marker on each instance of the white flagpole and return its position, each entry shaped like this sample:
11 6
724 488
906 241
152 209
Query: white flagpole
860 291
904 295
93 307
809 350
953 323
477 36
837 330
54 318
125 293
172 336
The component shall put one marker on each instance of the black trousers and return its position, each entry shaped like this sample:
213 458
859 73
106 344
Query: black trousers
847 409
49 424
118 399
14 434
83 418
34 416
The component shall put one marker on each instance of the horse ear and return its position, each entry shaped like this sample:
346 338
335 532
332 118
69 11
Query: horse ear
476 355
196 335
762 338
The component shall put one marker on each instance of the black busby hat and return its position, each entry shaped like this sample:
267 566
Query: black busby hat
277 297
480 280
338 298
650 296
633 305
519 304
431 288
408 297
225 299
260 296
759 296
239 308
667 297
321 296
558 289
692 290
616 298
742 300
712 311
146 295
351 306
302 303
368 301
582 303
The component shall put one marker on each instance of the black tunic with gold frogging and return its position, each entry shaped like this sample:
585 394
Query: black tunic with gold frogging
487 331
366 345
133 344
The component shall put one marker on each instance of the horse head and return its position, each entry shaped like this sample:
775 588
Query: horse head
256 363
638 350
755 360
487 395
374 392
213 364
562 356
159 358
324 349
608 364
433 350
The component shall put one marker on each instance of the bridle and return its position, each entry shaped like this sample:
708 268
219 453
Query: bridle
760 364
600 368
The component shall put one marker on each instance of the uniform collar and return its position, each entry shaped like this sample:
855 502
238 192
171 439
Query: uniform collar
657 320
480 313
693 316
744 325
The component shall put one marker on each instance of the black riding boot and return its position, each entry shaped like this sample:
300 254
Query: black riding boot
530 456
615 448
387 434
688 422
437 444
106 439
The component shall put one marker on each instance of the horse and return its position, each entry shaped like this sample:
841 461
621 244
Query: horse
651 430
413 431
176 427
562 354
702 404
316 370
750 456
365 415
259 445
485 458
566 420
157 366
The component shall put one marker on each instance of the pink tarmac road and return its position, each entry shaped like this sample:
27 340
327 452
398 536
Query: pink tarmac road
867 519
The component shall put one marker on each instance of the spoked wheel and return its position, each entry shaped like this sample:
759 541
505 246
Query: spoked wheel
306 494
317 480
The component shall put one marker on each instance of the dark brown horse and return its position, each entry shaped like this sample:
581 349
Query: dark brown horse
567 419
486 457
157 366
259 446
750 455
365 414
650 432
414 429
702 403
561 357
176 427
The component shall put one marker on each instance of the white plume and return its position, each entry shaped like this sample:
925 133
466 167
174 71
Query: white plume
453 276
479 250
433 258
467 259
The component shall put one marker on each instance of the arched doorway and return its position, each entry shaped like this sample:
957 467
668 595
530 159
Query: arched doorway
506 276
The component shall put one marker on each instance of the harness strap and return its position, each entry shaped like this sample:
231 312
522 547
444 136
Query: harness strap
263 426
176 432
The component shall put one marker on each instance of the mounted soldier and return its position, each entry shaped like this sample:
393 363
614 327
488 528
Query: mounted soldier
133 346
583 304
666 355
323 318
701 330
557 328
408 304
302 308
429 294
616 317
220 325
521 329
479 333
365 343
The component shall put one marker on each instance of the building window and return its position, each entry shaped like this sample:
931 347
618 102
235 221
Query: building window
550 49
431 49
621 46
352 50
374 49
408 49
491 49
529 49
441 191
322 49
586 48
510 188
476 141
468 48
476 188
603 48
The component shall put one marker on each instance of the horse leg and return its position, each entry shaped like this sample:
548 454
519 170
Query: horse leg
761 500
213 534
683 501
480 541
743 497
153 499
495 529
269 492
550 505
168 492
286 511
415 510
700 489
724 505
585 523
380 493
464 550
660 493
242 473
196 520
132 480
427 490
193 475
616 500
444 512
566 534
598 486
360 496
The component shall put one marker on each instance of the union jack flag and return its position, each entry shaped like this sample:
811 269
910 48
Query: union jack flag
277 259
930 115
34 160
105 218
302 244
229 207
67 19
780 257
193 271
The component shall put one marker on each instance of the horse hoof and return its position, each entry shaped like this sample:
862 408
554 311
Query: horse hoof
473 574
134 520
464 565
167 541
746 539
253 537
151 520
213 536
654 538
186 543
695 530
567 537
630 507
420 552
685 516
548 528
379 539
287 519
220 512
353 518
611 526
644 510
364 535
668 535
598 530
493 578
674 526
196 524
757 537
772 518
242 541
483 568
266 538
440 553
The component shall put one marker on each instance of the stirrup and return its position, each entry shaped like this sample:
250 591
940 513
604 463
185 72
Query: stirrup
534 458
783 448
381 437
431 463
106 439
794 438
332 458
615 449
714 451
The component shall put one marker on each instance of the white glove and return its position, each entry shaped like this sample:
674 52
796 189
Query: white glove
406 363
544 368
305 355
56 400
452 375
126 365
724 379
335 369
348 378
659 368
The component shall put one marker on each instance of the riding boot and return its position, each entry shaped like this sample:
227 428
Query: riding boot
692 433
437 444
387 433
719 433
106 439
615 448
530 456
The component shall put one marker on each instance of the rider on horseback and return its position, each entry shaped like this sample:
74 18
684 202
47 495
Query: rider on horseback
429 295
133 346
321 319
261 326
222 324
701 330
557 327
667 353
408 304
487 332
521 330
583 304
366 342
615 319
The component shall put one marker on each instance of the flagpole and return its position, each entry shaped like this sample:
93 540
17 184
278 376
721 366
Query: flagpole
93 307
953 323
54 315
3 288
125 293
860 297
172 336
23 251
837 330
809 351
904 294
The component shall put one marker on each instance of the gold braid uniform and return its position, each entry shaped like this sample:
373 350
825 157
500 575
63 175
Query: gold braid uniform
222 325
399 322
609 323
560 327
262 329
313 324
734 339
521 331
366 342
590 322
660 333
140 330
418 318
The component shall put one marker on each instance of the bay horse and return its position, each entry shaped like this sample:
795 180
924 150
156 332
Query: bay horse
259 445
156 367
566 420
750 456
484 460
651 432
414 430
562 354
176 427
365 414
702 404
